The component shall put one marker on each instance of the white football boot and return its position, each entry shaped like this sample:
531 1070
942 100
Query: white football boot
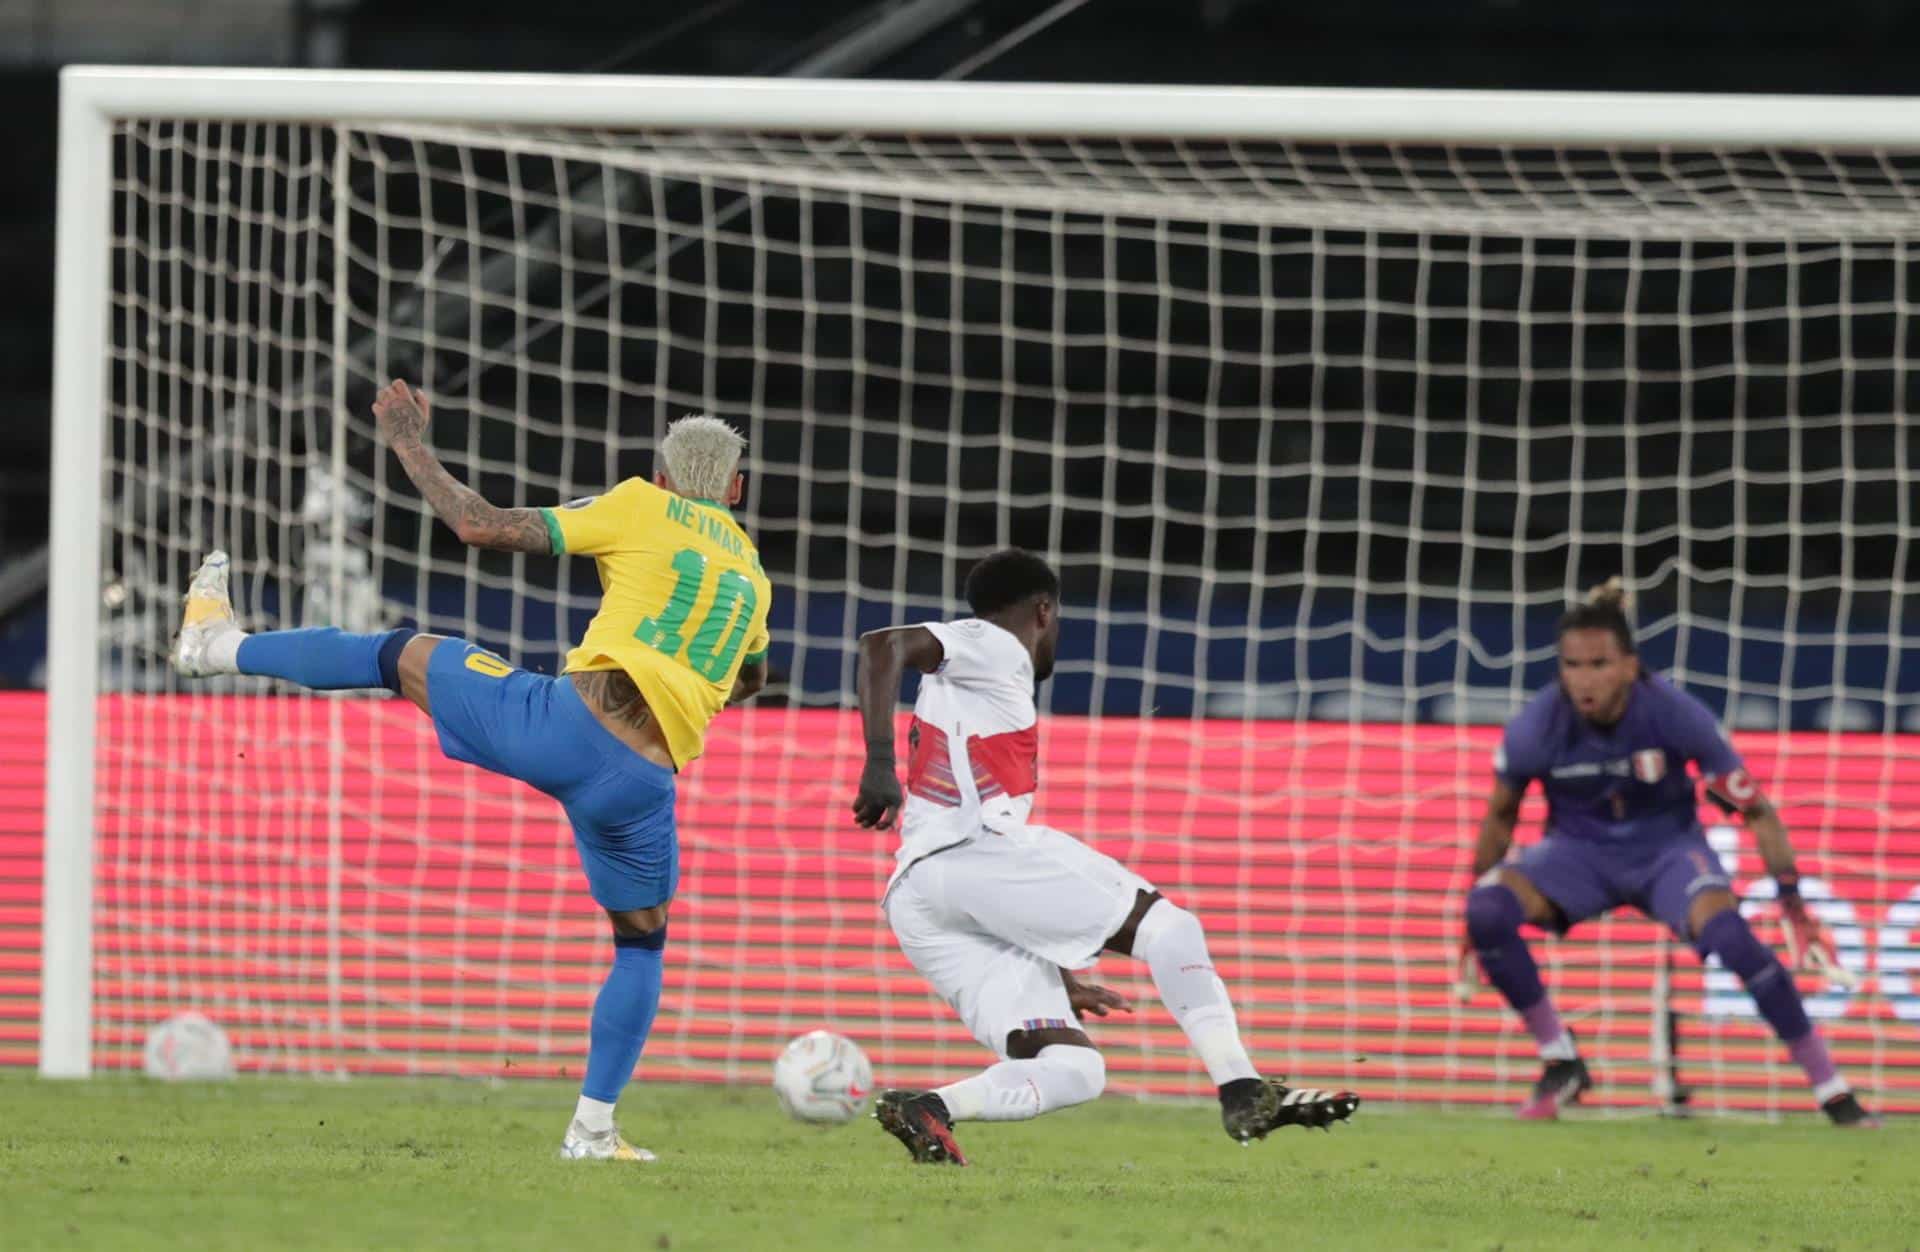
208 618
582 1144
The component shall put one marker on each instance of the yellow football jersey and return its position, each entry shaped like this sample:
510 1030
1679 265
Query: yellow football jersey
683 601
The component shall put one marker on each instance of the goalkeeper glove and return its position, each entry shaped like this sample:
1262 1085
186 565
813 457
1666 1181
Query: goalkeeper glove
1808 944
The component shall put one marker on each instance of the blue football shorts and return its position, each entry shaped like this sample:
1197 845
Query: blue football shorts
536 729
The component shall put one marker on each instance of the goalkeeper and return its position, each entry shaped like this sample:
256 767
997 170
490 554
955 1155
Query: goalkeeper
1610 743
680 633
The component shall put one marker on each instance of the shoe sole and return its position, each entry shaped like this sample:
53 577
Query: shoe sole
564 1155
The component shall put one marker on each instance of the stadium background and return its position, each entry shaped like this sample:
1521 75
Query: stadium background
1349 991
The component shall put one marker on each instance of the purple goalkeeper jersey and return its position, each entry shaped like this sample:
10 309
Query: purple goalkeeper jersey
1621 784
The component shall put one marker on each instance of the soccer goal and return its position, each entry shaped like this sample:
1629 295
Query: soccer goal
1324 402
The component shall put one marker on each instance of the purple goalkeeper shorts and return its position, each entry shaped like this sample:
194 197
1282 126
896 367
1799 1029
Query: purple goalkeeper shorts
1586 878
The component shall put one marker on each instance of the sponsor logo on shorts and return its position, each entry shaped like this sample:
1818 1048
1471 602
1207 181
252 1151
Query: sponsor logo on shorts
1650 765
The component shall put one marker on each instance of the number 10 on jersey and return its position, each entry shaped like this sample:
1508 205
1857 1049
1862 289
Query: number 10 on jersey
730 615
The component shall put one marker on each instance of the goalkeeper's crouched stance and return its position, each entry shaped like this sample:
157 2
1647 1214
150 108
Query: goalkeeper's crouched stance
680 633
994 910
1611 744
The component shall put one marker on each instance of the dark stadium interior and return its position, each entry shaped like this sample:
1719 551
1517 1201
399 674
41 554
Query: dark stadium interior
1511 431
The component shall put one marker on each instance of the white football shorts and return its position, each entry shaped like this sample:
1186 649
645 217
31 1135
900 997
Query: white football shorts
991 922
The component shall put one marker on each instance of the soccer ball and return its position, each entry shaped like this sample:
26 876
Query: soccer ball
823 1077
188 1046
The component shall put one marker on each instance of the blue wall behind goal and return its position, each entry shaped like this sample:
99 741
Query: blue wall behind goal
1335 659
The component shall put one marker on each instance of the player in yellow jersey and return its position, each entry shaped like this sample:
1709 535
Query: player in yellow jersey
681 633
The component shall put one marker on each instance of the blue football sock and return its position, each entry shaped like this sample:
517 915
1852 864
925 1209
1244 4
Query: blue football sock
622 1015
320 658
394 642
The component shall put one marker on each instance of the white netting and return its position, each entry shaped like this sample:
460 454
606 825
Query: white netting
1322 438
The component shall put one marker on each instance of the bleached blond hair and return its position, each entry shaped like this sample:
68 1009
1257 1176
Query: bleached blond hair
701 455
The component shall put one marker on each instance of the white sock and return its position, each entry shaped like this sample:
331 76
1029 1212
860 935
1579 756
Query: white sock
1169 939
594 1116
1834 1086
1560 1049
1062 1076
223 651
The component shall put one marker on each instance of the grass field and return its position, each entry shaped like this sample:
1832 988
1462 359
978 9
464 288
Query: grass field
118 1163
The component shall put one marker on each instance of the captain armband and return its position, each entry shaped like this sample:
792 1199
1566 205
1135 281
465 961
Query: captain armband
1735 792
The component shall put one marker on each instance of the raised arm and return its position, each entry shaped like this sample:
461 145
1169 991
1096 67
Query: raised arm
401 412
1496 827
884 656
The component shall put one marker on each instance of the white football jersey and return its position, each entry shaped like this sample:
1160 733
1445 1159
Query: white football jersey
974 745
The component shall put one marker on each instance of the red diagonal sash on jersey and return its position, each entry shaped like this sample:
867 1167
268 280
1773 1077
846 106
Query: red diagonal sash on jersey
1006 764
1003 764
930 765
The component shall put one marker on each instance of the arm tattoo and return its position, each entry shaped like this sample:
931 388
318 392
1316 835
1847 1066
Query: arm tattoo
613 692
476 522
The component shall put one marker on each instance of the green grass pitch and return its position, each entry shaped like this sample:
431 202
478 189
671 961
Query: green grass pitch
127 1164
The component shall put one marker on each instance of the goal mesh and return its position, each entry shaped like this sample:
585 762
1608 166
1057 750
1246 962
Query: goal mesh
1322 438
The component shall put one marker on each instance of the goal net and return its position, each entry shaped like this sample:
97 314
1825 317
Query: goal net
1322 435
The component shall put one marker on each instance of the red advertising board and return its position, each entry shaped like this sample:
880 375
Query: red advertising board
312 874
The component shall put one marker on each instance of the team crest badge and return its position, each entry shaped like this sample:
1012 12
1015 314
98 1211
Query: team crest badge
1650 766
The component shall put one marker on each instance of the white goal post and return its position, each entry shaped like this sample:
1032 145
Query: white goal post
1402 192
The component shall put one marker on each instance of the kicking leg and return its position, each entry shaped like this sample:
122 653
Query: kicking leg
622 1017
1174 945
319 658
